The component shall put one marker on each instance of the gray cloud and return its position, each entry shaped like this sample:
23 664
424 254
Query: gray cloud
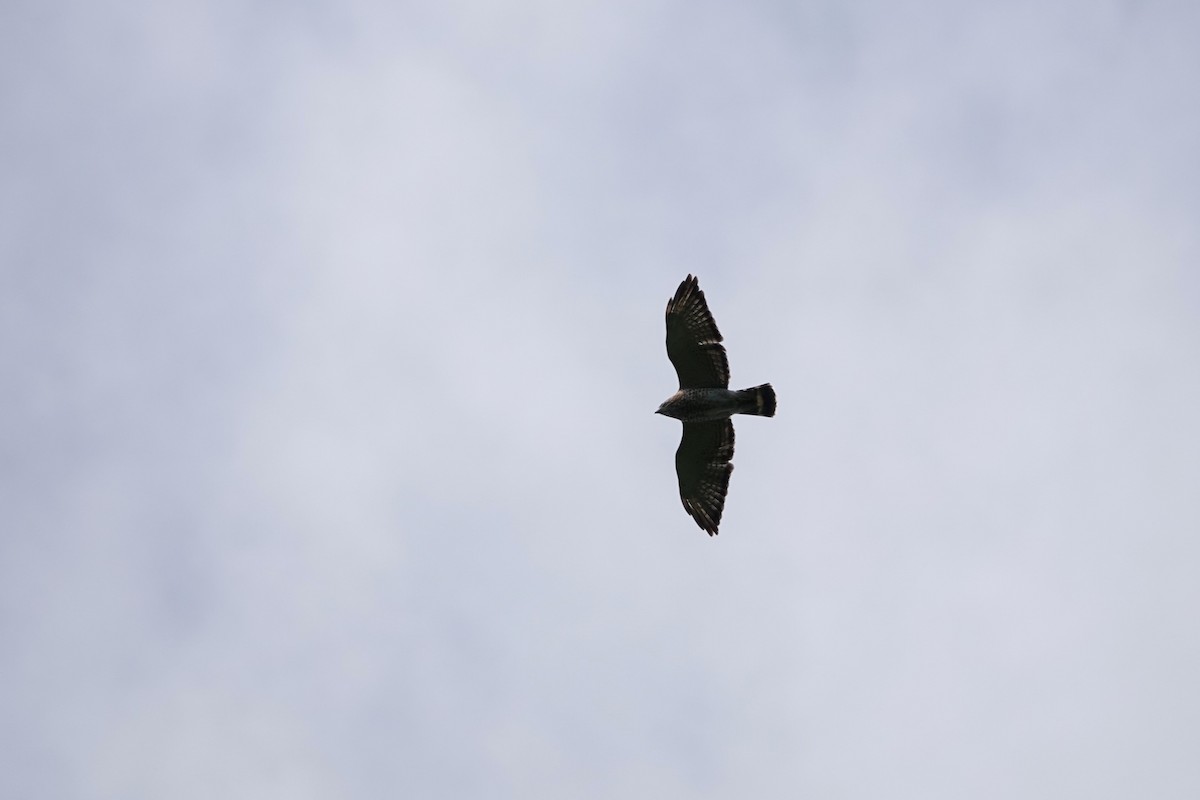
331 339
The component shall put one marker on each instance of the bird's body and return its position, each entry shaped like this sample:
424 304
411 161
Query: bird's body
704 403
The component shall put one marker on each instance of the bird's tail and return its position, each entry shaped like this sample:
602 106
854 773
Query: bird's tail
759 401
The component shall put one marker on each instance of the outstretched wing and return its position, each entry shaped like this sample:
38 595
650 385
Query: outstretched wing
702 463
693 341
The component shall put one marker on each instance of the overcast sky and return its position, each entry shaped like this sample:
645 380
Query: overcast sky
331 335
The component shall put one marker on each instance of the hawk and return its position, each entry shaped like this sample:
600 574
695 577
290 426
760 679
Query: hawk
704 403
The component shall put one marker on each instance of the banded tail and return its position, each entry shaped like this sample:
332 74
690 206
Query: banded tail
759 401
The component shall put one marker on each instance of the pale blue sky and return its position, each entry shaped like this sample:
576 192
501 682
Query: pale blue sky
331 336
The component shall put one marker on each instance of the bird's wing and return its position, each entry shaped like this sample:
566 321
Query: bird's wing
693 341
702 463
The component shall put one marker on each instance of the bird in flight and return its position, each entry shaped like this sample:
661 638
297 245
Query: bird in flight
704 403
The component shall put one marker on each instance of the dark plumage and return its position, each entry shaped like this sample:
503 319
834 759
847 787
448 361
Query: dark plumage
704 403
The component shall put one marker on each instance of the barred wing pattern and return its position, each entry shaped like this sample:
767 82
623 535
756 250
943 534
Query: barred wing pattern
693 341
702 463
